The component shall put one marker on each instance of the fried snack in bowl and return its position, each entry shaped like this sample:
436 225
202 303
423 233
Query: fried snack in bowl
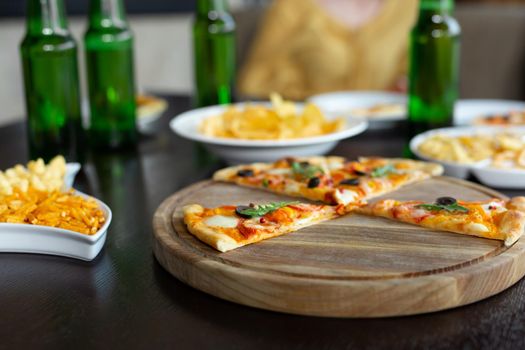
39 215
262 132
149 110
35 195
467 149
281 121
64 210
38 175
149 106
461 150
509 159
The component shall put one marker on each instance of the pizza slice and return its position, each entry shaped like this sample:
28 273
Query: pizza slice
332 180
229 227
494 218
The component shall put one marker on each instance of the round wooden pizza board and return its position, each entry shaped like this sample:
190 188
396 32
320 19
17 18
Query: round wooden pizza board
353 266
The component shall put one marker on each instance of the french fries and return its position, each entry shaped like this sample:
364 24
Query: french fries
281 121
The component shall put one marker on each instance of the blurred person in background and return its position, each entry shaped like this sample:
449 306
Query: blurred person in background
306 47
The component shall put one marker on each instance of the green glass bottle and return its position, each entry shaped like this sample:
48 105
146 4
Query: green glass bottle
110 75
214 50
50 68
434 66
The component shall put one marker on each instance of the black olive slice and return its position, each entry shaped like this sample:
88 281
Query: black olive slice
304 164
240 208
360 173
245 172
352 182
446 201
314 182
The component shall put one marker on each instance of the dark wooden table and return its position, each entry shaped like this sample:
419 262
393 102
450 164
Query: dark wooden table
124 299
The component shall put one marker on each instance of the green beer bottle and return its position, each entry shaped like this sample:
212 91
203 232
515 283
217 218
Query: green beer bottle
214 50
111 84
434 66
50 68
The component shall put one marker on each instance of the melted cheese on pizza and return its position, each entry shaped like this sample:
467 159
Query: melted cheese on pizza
481 219
323 183
224 220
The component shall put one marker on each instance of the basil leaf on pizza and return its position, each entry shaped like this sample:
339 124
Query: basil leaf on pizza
450 207
261 209
305 170
383 170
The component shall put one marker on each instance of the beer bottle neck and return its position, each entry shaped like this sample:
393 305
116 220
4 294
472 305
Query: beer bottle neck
204 7
442 6
46 17
107 14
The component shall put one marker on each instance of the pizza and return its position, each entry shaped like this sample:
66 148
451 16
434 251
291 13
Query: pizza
493 218
345 186
332 180
228 227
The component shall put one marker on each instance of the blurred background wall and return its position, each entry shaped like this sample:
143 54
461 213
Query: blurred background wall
163 48
492 61
163 57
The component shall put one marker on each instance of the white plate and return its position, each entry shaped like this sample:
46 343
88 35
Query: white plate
25 238
500 178
465 111
235 151
344 102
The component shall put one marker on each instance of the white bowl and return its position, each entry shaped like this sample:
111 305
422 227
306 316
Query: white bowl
465 111
451 168
72 170
235 151
501 178
25 238
344 102
148 115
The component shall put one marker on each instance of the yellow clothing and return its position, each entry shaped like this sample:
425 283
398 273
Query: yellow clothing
300 50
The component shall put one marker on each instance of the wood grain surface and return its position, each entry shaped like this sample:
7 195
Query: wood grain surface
354 266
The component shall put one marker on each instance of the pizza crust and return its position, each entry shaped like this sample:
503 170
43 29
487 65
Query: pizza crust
517 203
511 226
513 222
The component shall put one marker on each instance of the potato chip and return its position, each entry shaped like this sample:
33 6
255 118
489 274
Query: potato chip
281 121
506 150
